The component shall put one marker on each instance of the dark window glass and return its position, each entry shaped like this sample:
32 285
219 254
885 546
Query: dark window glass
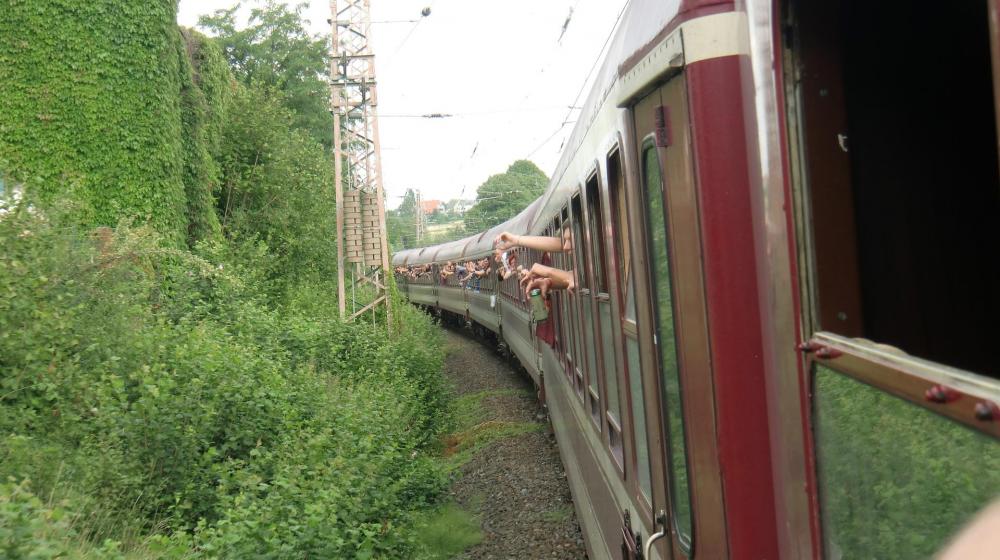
596 229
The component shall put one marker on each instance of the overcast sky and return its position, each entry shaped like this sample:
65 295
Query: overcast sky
497 66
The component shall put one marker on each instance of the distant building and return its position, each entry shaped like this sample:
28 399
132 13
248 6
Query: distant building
430 206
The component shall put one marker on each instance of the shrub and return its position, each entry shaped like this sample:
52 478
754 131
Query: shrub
153 392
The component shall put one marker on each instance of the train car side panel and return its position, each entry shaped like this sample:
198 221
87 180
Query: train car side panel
734 318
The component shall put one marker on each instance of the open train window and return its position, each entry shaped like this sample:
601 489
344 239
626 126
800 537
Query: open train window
563 261
601 299
897 193
582 267
553 230
894 161
580 321
618 268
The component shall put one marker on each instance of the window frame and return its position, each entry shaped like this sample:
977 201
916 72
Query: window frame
581 274
944 391
617 273
648 146
595 375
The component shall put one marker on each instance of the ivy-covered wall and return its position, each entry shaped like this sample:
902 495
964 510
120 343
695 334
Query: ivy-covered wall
200 60
98 98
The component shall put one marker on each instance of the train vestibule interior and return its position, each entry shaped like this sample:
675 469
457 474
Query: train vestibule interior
893 153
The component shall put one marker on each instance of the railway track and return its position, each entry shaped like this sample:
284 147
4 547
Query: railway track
513 480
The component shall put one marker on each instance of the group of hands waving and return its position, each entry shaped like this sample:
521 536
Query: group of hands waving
539 276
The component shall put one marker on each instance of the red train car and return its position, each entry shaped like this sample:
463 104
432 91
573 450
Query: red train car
785 243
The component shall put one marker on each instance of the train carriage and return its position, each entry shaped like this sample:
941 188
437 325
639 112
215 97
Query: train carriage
783 218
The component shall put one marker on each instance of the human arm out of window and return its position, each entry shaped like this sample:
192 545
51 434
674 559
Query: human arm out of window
559 279
507 240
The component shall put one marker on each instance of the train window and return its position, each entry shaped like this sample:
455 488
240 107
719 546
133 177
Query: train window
616 195
630 332
644 476
899 202
581 256
574 300
902 500
595 222
666 342
602 301
566 303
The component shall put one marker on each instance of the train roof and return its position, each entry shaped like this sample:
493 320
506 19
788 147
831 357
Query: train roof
642 23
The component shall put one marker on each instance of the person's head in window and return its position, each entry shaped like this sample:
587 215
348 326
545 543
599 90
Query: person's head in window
567 239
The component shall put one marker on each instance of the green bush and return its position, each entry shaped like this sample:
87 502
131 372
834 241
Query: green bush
151 392
32 529
276 192
177 384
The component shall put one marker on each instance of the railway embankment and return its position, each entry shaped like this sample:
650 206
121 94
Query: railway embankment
507 476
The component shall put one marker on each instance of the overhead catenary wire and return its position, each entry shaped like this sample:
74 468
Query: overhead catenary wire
424 13
586 80
547 64
550 137
567 28
520 107
465 113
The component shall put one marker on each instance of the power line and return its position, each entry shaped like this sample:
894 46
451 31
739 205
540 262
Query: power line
467 113
546 141
415 116
599 58
583 86
426 12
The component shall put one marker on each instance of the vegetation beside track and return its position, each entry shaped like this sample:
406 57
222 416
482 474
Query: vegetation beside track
174 380
154 404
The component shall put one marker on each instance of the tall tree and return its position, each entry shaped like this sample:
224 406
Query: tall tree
401 223
276 50
502 196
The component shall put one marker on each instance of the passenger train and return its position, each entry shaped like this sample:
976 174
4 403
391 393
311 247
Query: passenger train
785 221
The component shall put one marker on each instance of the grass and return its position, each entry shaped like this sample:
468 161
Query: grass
447 531
472 432
462 446
559 514
469 408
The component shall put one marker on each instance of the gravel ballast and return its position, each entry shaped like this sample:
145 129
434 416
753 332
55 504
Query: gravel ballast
516 485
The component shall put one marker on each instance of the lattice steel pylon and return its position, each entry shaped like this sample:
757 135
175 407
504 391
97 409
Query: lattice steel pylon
420 219
361 231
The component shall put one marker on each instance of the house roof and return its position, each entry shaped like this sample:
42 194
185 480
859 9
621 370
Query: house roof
429 206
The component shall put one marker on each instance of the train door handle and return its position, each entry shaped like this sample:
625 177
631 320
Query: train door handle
661 520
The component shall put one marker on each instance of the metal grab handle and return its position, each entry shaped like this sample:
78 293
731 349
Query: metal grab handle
661 520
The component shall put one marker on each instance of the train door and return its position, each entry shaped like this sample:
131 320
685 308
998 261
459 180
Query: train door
677 467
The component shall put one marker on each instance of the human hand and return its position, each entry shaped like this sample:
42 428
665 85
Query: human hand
505 241
526 276
543 284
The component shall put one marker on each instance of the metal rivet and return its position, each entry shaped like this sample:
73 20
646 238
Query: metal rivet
827 353
987 411
809 346
940 394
